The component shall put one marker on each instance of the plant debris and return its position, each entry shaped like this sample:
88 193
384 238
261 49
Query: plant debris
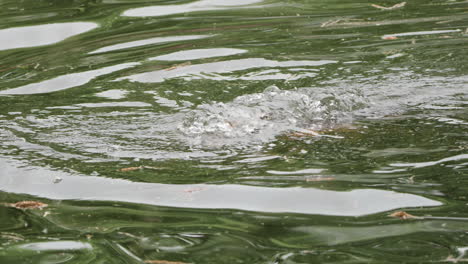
178 66
11 236
403 215
130 169
389 37
138 168
462 252
164 262
305 133
192 190
27 205
400 5
330 23
452 259
128 235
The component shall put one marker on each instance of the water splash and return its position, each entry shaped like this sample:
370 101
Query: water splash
262 116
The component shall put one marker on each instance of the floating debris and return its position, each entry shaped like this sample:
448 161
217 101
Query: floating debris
192 190
178 66
389 37
330 23
461 251
128 235
130 169
27 205
138 168
305 133
11 236
400 5
403 215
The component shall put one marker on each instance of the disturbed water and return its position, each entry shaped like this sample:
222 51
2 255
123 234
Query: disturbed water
219 131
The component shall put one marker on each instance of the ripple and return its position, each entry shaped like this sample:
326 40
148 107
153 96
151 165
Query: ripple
203 5
65 81
304 171
145 42
200 70
189 158
115 104
431 163
196 54
419 33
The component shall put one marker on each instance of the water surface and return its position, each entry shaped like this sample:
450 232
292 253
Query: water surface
251 131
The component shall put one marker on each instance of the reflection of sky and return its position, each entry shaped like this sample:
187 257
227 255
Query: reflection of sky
113 94
56 245
203 5
198 54
357 202
115 104
221 67
431 163
419 33
32 36
150 41
65 81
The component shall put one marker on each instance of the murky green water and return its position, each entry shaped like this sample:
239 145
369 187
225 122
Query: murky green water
219 131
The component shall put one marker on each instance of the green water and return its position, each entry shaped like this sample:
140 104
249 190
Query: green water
221 131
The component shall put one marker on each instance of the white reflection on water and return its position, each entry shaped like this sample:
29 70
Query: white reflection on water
203 5
114 94
357 202
305 171
32 36
431 163
114 104
220 67
56 245
150 41
419 33
65 81
198 54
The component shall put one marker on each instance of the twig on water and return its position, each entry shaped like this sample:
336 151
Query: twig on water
400 5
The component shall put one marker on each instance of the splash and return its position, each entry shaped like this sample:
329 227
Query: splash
262 116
